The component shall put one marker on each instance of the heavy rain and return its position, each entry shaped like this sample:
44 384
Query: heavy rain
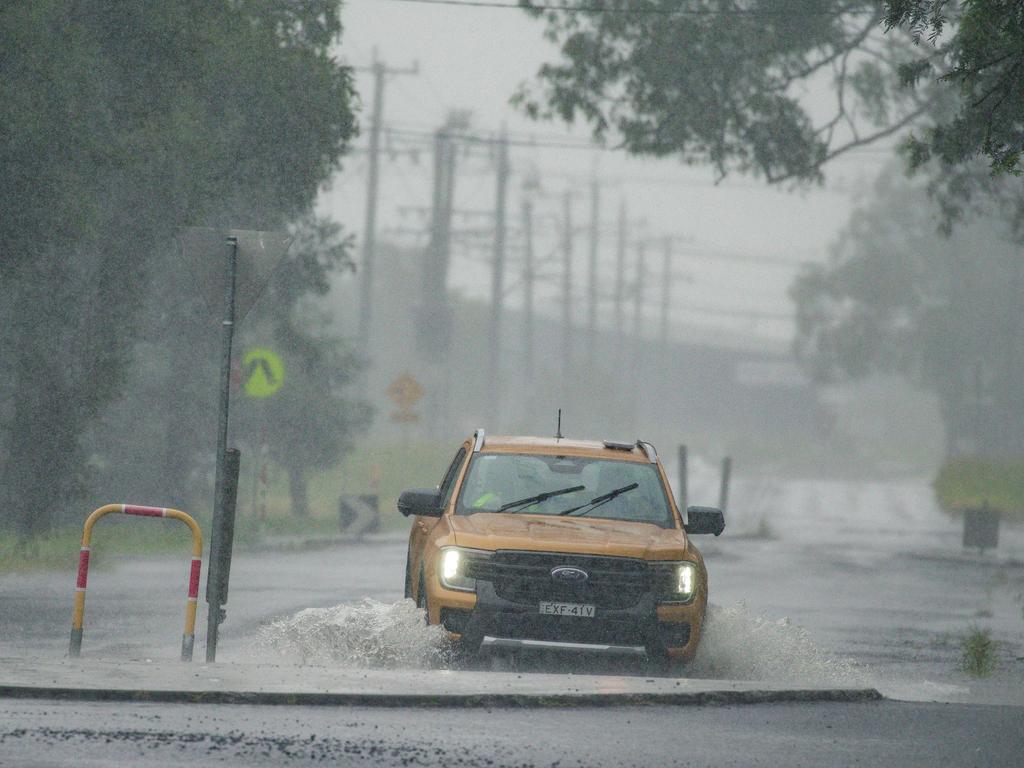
512 382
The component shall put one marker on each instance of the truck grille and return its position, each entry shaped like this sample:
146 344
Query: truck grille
613 583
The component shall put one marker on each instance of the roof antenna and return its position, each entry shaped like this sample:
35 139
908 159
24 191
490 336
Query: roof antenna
559 435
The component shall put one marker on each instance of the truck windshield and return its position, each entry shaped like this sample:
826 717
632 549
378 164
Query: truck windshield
498 480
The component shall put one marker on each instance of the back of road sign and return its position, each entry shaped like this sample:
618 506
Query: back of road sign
259 253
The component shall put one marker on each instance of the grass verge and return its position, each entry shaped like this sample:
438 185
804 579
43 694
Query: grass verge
385 469
971 483
112 537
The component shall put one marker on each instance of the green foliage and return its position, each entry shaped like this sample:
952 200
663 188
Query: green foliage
726 84
713 87
310 423
167 409
897 297
122 122
983 60
972 483
917 17
979 653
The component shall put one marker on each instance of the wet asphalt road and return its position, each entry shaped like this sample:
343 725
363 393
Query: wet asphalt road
136 607
36 734
873 572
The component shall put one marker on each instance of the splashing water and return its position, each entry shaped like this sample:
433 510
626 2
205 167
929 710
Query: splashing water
365 634
740 645
737 644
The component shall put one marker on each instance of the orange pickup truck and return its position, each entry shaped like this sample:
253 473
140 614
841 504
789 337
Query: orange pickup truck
549 543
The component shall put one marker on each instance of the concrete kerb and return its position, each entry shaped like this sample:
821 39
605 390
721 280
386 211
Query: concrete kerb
96 680
450 701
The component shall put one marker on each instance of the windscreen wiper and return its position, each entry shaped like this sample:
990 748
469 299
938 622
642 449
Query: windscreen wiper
599 500
540 497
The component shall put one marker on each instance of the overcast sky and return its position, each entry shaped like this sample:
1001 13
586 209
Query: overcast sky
474 59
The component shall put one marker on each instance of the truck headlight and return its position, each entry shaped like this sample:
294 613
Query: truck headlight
686 581
675 582
453 567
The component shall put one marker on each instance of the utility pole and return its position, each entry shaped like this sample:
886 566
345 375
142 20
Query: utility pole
566 291
638 293
637 363
620 286
455 122
434 324
435 272
380 72
666 294
497 281
528 278
595 205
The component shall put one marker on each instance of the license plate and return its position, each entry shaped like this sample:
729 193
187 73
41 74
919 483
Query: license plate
567 609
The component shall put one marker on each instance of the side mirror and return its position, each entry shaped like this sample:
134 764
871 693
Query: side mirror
704 520
426 503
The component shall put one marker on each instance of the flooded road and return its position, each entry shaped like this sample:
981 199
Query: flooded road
862 584
814 581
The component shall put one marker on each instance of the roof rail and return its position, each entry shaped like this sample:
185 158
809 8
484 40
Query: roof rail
478 440
616 445
649 451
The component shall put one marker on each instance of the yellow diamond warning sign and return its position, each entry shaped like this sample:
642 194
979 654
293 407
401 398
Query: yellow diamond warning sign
262 372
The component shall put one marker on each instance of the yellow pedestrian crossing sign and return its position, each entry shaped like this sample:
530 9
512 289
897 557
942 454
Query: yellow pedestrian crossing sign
262 372
405 392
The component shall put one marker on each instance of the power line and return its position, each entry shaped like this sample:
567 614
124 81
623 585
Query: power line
739 314
529 141
549 143
416 127
598 8
713 254
526 136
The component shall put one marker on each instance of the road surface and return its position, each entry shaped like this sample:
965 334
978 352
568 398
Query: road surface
819 581
884 733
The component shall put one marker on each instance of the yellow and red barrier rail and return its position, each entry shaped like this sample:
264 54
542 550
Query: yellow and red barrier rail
188 638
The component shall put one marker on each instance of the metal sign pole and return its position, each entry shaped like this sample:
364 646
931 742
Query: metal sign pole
230 289
723 491
214 576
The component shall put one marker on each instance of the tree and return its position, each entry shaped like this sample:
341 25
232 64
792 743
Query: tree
897 296
733 84
311 421
982 58
121 122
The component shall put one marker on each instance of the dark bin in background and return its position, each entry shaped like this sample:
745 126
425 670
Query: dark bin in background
981 528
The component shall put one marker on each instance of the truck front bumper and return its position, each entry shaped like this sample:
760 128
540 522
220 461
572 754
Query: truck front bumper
645 628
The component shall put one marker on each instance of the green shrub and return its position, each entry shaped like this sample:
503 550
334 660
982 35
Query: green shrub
979 653
971 483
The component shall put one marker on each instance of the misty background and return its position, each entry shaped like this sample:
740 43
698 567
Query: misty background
843 320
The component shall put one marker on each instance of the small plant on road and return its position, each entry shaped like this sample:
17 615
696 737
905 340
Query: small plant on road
979 653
